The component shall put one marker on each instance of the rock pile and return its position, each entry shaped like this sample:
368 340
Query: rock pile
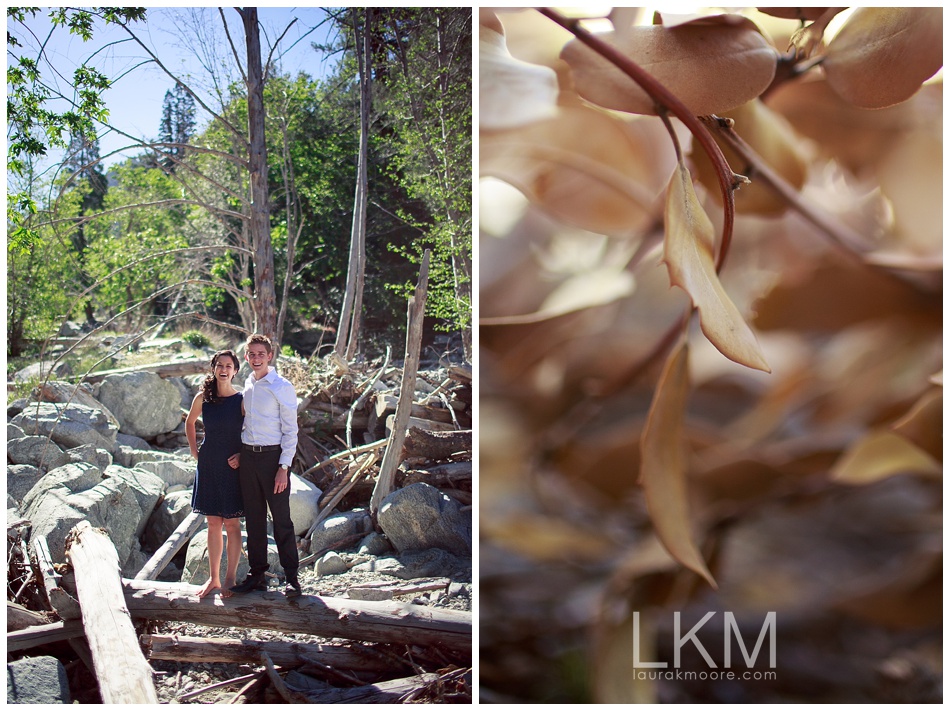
114 454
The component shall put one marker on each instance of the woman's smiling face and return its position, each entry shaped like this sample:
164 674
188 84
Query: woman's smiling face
225 368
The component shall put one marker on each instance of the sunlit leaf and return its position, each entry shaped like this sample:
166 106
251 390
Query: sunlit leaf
881 454
511 92
882 55
923 424
585 167
710 67
796 13
688 253
663 464
773 139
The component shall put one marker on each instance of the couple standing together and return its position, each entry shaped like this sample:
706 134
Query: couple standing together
244 466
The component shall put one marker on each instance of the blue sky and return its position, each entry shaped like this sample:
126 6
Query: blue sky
135 99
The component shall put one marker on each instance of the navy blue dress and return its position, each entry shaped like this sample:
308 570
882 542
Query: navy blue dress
217 489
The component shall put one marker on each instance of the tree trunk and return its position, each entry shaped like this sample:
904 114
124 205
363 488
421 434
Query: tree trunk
264 287
123 674
393 455
350 315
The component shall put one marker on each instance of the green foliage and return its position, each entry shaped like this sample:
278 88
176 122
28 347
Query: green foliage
196 339
32 126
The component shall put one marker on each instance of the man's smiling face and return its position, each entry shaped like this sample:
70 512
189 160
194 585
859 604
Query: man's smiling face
257 357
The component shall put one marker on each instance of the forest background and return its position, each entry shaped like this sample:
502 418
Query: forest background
191 230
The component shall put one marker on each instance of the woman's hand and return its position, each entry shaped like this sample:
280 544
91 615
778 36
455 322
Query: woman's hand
234 461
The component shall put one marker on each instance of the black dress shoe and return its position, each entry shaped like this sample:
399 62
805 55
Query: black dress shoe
251 582
292 589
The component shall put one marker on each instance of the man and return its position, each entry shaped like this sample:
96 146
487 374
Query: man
269 441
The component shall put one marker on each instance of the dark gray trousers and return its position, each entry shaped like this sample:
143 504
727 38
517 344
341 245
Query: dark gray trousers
257 474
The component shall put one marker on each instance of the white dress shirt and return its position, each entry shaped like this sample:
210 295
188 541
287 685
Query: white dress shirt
270 414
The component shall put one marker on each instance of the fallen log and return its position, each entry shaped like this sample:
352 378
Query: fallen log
248 651
19 618
59 600
308 614
429 444
163 556
123 674
385 692
39 635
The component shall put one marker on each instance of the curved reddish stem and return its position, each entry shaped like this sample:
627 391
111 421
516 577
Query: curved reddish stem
665 98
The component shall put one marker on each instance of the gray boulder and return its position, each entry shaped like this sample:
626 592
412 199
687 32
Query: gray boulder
144 404
374 544
147 488
14 432
171 469
131 441
70 425
20 479
330 564
63 392
36 451
433 563
90 453
38 371
37 680
304 497
169 513
76 492
335 530
419 517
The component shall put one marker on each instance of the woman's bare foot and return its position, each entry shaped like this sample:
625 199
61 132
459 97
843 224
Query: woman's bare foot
208 587
228 584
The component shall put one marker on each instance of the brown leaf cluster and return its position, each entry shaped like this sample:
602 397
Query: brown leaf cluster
632 455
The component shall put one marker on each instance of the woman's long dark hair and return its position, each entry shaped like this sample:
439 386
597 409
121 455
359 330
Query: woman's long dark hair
209 388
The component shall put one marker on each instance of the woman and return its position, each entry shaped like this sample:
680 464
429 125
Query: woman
217 492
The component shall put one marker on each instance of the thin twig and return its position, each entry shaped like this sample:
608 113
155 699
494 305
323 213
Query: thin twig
728 180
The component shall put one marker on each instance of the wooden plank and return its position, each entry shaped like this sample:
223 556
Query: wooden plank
393 622
163 556
43 634
123 674
248 651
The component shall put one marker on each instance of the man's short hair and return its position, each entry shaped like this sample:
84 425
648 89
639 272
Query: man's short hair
259 338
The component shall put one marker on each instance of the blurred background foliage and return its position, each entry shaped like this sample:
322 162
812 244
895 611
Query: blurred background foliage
815 490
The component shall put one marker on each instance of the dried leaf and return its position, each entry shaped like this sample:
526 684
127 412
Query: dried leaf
882 55
923 425
710 67
586 167
593 288
663 463
688 253
881 454
796 13
774 140
511 92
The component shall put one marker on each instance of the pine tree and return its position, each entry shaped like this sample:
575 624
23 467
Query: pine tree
178 125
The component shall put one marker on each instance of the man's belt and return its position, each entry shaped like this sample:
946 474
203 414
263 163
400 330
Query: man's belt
261 447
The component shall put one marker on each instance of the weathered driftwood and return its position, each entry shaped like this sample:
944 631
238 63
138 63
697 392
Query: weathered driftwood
346 453
427 444
165 370
461 373
248 651
123 674
43 634
359 468
308 614
19 618
393 455
385 692
163 556
59 600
